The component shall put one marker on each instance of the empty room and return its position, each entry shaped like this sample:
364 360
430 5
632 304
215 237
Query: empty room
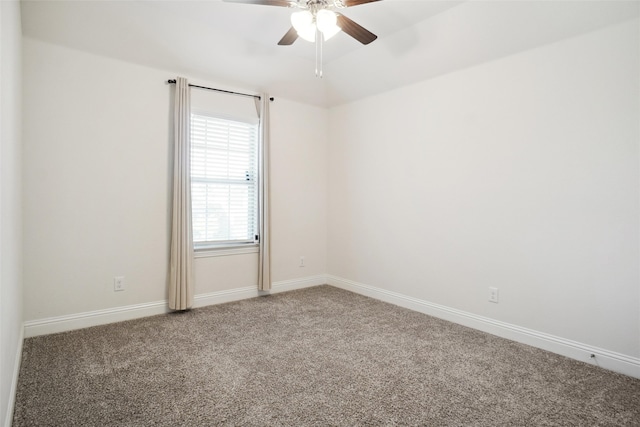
319 212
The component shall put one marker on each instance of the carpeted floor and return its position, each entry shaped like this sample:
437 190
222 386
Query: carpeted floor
314 357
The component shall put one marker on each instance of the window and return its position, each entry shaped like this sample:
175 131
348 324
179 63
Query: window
224 184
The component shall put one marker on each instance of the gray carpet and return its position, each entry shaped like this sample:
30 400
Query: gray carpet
314 357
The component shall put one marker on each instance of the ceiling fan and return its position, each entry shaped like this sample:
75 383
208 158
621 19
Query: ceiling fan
318 14
318 21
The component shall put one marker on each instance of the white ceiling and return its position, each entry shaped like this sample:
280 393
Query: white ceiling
236 44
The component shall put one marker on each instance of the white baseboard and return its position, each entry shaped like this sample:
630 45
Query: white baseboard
604 358
70 322
14 381
220 297
52 325
306 282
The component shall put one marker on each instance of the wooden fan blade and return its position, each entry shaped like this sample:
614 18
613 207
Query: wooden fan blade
349 3
356 31
289 38
281 3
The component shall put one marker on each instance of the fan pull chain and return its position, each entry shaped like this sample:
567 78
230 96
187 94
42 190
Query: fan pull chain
319 40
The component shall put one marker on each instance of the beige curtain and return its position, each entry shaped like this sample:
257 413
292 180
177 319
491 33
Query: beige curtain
264 267
181 273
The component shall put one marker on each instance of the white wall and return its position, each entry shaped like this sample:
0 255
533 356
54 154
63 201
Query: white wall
10 204
521 173
298 189
96 186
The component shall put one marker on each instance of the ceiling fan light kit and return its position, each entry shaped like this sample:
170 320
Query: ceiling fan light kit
316 21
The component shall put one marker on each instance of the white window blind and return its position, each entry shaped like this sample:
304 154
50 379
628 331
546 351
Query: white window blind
224 188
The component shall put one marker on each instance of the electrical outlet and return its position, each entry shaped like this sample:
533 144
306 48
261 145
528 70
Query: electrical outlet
118 283
493 295
301 262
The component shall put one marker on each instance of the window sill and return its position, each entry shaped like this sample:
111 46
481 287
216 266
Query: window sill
225 251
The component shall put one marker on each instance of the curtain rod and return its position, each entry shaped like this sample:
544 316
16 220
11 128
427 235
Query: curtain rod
221 90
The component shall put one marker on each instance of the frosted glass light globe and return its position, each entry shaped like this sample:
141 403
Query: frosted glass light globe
327 22
302 21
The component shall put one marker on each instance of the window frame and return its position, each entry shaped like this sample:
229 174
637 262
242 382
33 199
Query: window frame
230 247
